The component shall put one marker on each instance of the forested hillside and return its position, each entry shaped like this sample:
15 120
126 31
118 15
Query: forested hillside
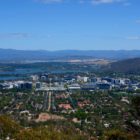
126 66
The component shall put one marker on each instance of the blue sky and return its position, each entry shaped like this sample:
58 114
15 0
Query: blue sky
70 24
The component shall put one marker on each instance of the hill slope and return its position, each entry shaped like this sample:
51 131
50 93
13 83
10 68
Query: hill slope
11 129
126 66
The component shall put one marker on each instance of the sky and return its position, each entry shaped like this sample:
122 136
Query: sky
70 24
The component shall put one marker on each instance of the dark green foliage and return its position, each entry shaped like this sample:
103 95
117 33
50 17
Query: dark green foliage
136 105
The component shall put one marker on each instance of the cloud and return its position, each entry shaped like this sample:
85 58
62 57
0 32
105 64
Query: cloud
97 2
49 1
81 1
127 4
138 21
133 38
14 35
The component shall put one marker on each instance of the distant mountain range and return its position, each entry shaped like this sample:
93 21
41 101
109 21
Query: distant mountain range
43 55
126 66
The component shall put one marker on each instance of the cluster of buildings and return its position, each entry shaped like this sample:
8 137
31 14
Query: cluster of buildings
59 82
23 85
84 82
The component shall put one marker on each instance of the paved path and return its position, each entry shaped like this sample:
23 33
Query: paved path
49 100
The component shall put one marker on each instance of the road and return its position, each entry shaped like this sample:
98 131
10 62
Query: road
45 101
49 100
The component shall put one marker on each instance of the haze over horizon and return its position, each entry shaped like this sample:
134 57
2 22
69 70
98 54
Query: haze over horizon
80 50
70 24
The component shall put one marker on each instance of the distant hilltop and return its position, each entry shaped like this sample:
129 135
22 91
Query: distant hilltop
126 66
9 55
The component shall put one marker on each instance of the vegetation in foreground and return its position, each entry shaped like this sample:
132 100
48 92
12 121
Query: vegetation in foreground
11 129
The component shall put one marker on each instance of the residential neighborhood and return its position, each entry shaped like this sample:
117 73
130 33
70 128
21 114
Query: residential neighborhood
90 102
